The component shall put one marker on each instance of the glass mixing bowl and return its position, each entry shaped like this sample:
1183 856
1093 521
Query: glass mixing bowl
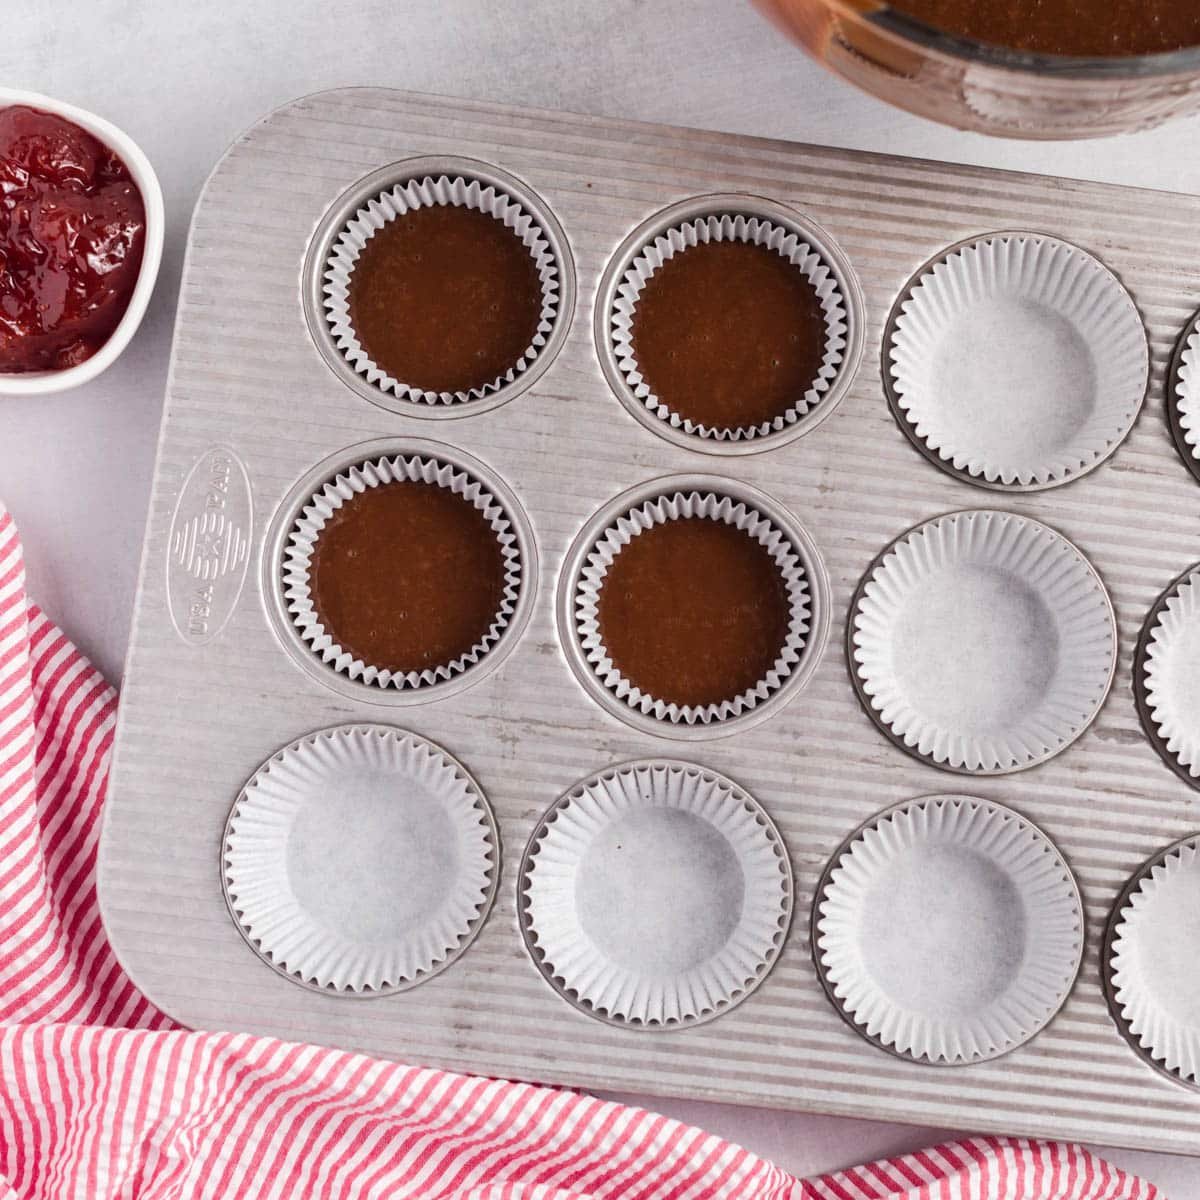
989 89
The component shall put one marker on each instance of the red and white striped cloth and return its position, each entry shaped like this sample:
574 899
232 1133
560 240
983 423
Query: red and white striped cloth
101 1096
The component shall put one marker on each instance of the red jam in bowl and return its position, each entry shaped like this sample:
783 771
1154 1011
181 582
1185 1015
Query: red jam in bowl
72 229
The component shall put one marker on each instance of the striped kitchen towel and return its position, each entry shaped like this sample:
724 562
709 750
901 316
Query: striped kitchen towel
101 1096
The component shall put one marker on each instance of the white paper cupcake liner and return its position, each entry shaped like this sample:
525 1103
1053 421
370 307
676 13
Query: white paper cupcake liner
655 894
361 859
983 642
949 930
306 531
1152 962
386 207
724 228
1170 674
1185 395
673 507
1018 360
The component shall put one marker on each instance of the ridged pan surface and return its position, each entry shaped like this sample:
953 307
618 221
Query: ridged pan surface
209 692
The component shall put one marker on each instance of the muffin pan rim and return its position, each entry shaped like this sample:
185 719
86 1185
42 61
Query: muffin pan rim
825 878
819 593
1132 885
908 428
342 211
732 203
748 800
288 510
495 871
877 719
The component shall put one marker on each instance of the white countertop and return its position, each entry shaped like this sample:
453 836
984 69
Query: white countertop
184 79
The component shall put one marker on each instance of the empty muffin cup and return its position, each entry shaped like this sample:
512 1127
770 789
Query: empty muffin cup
1183 396
982 642
1016 361
729 324
360 860
1149 961
442 289
693 606
655 895
948 930
1167 676
404 572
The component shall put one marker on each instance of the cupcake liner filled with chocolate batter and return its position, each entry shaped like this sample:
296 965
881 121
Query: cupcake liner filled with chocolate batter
402 572
730 327
694 607
441 290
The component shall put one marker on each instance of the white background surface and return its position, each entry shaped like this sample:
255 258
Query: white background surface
184 78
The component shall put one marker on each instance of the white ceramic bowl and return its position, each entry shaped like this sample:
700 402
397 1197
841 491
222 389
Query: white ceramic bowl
41 383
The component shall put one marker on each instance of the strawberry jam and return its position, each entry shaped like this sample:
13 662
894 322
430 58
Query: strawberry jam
72 229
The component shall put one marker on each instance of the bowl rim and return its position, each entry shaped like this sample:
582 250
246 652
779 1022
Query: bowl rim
41 383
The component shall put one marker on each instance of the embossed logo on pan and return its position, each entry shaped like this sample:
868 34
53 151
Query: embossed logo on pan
209 545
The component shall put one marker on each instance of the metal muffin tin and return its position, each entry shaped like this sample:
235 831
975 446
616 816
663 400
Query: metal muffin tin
252 408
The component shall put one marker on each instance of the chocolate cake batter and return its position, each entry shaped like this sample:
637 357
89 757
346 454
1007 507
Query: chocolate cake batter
728 334
445 298
694 611
407 576
1102 28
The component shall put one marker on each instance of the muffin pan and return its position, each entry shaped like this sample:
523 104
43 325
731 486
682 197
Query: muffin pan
264 411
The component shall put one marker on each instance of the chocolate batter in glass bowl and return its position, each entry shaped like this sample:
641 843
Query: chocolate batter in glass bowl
1016 68
1078 28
